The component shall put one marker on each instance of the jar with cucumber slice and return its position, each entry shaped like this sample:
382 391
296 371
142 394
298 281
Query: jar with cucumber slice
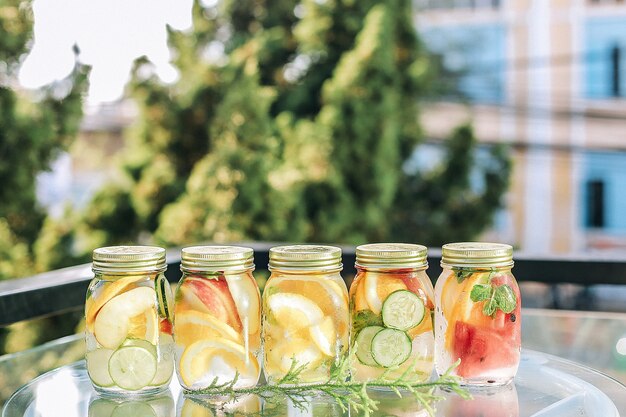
478 318
128 320
391 305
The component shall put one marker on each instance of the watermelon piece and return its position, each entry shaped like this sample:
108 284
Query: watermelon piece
165 326
483 349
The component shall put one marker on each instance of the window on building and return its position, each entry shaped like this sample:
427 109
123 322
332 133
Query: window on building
605 58
595 204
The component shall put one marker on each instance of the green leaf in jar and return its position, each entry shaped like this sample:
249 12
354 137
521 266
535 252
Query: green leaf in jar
481 292
365 318
501 298
462 274
505 298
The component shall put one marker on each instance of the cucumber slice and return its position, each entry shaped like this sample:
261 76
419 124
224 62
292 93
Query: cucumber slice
403 310
132 367
391 347
142 343
364 345
98 367
164 294
165 369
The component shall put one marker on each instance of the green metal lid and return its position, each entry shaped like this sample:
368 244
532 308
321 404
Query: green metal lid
477 254
119 259
391 255
305 258
216 258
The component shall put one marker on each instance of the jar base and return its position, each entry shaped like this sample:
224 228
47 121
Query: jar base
120 393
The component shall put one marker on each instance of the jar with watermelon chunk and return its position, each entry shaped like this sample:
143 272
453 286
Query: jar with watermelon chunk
217 318
128 328
392 301
305 313
477 318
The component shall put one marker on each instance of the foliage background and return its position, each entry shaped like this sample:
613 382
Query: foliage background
303 130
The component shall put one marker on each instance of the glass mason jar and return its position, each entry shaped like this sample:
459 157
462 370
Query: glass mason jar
217 318
477 316
305 312
129 345
392 301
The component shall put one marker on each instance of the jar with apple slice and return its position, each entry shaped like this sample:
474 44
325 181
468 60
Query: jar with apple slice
392 301
217 318
305 313
477 318
129 345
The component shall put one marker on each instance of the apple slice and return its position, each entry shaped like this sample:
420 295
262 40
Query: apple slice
211 296
115 319
108 291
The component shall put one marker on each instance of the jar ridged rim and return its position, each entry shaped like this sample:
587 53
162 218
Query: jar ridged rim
216 258
477 254
119 259
305 258
391 255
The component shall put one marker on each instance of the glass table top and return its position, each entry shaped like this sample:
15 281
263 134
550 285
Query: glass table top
545 386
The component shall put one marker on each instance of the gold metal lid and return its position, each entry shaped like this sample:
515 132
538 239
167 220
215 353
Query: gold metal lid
119 259
216 258
477 254
391 255
305 258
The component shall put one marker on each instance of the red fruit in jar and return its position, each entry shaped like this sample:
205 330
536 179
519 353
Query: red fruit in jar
483 349
165 326
215 299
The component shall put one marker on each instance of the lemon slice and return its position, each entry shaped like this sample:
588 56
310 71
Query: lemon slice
144 326
132 367
246 296
191 326
204 360
324 336
113 322
377 288
191 408
303 352
330 296
294 311
98 367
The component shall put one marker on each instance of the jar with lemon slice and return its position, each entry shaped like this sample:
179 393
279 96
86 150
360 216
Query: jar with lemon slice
305 312
392 300
217 318
129 345
478 313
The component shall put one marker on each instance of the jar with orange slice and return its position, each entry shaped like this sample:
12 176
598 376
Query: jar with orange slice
478 318
305 313
392 300
129 345
217 318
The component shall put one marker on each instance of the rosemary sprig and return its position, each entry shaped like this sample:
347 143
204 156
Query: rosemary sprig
347 394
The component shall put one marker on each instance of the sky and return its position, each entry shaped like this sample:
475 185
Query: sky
110 35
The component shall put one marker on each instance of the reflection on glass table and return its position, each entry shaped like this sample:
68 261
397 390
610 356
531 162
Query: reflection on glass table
545 386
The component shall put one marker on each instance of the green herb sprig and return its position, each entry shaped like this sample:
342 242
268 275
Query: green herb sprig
347 394
501 297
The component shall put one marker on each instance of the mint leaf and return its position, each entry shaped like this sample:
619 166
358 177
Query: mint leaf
365 318
505 298
461 275
481 292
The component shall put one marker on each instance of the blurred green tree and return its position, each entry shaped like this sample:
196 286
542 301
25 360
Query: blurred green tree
34 128
293 120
